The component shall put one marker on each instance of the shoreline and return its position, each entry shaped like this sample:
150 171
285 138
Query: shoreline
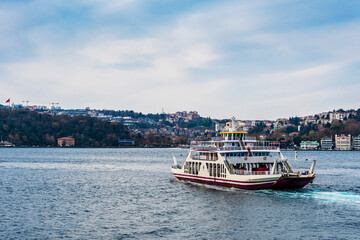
300 150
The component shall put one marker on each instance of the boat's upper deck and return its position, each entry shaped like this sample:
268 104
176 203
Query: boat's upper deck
232 139
234 145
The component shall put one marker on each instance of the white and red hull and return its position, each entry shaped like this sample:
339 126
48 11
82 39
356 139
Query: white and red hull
276 181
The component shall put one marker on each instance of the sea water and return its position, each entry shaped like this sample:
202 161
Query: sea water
52 193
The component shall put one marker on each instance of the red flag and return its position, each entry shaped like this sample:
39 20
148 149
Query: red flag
8 101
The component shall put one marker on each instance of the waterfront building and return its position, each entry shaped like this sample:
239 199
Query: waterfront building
309 145
343 142
66 142
126 142
326 143
356 142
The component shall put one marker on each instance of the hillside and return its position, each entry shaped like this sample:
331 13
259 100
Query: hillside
29 128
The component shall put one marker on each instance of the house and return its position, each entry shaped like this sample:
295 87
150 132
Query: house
343 142
66 142
338 116
309 145
356 142
293 134
326 143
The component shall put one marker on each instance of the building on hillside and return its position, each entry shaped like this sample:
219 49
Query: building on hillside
256 123
309 145
293 134
343 142
323 121
66 142
356 142
338 116
310 120
326 143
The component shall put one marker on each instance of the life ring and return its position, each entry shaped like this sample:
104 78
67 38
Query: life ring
264 158
245 158
229 148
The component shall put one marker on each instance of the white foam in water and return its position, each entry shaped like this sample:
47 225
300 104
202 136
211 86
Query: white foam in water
341 198
348 198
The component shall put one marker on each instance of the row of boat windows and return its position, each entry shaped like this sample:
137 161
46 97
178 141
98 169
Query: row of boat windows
208 156
192 167
244 154
216 170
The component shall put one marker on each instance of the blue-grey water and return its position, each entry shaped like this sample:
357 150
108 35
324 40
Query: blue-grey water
131 193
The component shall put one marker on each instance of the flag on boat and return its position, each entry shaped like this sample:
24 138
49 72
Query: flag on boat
8 101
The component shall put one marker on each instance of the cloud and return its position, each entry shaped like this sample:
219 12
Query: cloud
222 58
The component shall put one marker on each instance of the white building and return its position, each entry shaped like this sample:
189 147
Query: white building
356 142
310 120
326 143
343 142
256 123
338 116
309 145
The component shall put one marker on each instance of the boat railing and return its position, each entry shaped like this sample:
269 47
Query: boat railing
250 138
205 148
197 157
301 171
245 172
264 147
216 138
230 148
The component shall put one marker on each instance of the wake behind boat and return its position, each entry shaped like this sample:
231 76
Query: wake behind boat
236 160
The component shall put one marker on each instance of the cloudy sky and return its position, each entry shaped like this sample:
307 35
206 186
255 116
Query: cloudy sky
249 59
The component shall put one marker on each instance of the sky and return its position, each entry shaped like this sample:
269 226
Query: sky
254 59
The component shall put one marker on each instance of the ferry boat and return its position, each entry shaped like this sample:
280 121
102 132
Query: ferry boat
239 161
